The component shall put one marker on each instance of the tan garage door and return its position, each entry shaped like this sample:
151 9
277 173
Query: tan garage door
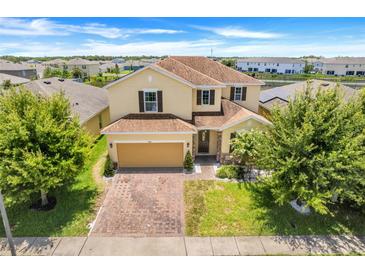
150 155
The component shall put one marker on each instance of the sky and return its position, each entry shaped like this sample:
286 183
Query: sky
292 37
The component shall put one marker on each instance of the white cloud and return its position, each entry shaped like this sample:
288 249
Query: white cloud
46 27
236 32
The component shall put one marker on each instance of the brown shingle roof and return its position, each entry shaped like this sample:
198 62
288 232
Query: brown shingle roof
231 113
186 72
149 123
215 70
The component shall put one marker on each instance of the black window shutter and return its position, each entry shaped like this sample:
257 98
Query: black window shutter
198 97
244 91
141 101
212 93
232 93
159 100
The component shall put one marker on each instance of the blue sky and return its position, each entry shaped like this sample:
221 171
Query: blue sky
183 36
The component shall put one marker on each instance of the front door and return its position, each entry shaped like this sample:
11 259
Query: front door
203 141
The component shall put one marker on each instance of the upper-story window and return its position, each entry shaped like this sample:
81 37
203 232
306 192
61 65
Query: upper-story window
150 101
206 97
238 94
83 66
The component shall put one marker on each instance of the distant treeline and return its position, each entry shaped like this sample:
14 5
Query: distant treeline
19 59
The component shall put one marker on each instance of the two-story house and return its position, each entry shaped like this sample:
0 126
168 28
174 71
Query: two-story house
176 105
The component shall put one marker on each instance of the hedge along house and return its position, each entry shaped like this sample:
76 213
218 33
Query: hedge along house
89 103
176 105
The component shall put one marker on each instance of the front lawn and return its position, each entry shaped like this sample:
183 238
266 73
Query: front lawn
225 209
76 206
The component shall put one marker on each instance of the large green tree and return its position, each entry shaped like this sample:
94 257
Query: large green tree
42 145
316 150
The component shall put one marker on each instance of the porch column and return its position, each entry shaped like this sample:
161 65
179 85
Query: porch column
193 147
219 146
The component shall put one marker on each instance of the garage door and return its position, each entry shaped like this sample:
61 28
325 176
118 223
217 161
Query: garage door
150 155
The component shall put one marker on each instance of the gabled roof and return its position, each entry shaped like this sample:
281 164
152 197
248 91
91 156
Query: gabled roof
343 60
86 100
149 123
281 95
7 65
80 61
216 70
197 72
231 114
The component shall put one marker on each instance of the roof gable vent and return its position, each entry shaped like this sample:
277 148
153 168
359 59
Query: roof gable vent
61 79
47 82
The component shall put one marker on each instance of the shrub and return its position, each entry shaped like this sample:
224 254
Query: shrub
188 162
108 167
230 172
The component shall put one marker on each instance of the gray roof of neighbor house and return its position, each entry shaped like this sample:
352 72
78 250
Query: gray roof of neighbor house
15 80
343 60
55 62
86 101
6 65
281 95
281 60
80 61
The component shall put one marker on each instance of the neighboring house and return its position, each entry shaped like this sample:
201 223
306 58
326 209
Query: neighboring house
176 105
89 103
14 80
280 65
280 96
88 68
340 66
19 70
118 60
109 66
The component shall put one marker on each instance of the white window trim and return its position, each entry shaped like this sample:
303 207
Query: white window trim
144 100
235 90
208 97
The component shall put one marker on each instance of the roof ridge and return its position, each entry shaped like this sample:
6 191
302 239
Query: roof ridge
196 70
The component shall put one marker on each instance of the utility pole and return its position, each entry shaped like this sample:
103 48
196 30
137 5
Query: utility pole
7 226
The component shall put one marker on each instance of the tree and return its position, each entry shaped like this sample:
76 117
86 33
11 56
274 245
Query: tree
42 146
229 63
188 161
316 150
116 69
6 84
308 67
245 147
76 73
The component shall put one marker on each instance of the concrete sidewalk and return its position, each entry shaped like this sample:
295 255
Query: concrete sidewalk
186 246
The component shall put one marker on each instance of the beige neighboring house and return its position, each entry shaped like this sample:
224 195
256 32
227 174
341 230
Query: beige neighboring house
280 96
89 68
89 103
18 70
176 105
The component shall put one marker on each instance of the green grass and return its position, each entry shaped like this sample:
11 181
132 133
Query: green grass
227 209
74 210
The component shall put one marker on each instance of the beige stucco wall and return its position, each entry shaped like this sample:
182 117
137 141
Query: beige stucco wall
244 126
90 70
215 107
252 97
123 96
186 138
92 125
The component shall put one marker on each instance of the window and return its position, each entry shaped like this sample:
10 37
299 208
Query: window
274 71
277 64
238 94
350 72
288 71
330 72
346 66
248 64
150 101
205 97
267 70
255 69
83 66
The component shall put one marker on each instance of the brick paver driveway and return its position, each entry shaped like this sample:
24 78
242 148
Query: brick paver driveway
143 203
